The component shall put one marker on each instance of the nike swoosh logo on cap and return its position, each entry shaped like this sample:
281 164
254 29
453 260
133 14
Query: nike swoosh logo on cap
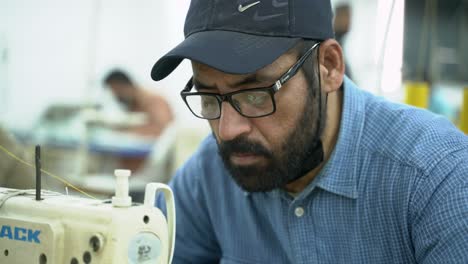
242 8
277 3
258 17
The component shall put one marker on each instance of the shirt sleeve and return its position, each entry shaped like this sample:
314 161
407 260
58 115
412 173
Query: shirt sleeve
440 219
195 238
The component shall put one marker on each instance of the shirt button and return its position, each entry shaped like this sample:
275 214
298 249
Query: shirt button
299 211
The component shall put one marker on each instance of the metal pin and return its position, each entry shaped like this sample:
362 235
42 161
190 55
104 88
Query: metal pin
38 172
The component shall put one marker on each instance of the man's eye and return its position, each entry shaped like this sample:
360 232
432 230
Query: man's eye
208 101
256 99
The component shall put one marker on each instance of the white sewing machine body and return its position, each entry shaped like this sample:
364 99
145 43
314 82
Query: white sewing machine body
65 229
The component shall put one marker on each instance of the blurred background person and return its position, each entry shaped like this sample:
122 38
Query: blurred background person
156 126
137 99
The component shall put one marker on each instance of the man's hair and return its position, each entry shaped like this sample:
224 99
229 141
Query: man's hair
118 76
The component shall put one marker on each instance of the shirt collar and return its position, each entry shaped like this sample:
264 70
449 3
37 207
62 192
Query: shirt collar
339 175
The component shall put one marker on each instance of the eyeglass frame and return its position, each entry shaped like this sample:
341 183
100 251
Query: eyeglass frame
227 97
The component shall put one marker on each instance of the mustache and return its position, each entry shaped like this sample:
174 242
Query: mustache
243 145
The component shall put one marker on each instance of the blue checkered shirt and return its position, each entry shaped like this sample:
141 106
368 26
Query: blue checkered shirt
395 190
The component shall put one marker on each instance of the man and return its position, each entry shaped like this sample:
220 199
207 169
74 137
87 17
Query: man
309 168
136 99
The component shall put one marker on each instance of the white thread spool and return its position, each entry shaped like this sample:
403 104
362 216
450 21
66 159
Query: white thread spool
121 198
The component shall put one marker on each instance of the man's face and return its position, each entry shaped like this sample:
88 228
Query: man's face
264 153
123 92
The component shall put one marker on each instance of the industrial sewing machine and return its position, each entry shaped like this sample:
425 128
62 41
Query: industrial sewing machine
51 228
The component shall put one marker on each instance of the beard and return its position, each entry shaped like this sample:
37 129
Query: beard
283 164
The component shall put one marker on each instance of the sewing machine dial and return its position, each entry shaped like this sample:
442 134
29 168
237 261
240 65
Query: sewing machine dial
144 248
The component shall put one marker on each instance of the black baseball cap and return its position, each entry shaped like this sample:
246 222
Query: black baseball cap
242 36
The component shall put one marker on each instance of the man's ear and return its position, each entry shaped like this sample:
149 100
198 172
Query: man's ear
331 65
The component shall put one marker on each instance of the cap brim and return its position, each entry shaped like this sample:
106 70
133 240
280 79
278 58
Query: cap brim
228 51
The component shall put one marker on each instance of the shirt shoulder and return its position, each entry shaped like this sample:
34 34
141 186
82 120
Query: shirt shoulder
409 135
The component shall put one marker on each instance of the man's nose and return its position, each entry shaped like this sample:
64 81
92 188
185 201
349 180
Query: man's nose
231 123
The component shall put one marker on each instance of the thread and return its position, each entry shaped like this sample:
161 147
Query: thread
9 153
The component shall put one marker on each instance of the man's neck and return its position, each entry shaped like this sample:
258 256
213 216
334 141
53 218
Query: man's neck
329 138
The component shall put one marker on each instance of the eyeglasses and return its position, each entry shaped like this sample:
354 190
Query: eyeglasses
251 103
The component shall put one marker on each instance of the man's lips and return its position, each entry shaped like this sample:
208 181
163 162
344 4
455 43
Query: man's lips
245 158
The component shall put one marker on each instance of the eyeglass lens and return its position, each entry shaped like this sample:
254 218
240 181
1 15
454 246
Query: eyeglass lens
248 103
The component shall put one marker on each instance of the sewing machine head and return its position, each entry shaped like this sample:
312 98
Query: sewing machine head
65 229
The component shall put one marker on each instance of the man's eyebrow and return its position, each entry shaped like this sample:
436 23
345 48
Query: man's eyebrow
249 79
201 86
254 78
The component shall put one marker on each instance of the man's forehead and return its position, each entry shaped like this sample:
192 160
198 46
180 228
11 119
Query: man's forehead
279 66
